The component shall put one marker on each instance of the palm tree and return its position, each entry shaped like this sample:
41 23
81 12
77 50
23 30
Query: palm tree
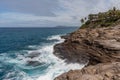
114 8
82 20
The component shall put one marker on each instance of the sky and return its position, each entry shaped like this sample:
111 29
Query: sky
50 13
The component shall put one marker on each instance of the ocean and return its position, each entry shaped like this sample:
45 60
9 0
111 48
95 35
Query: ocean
27 53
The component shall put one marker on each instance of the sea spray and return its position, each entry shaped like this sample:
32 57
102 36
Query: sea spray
57 66
18 63
52 66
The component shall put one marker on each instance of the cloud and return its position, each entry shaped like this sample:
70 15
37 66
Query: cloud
115 3
37 7
30 20
40 13
81 8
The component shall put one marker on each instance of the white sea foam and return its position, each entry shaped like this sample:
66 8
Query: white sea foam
17 76
56 66
54 37
32 46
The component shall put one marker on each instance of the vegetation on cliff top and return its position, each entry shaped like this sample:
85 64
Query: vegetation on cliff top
104 19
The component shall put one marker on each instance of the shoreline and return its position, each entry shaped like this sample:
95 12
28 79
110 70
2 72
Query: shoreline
99 46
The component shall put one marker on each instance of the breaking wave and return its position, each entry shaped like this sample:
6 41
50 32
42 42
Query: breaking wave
39 64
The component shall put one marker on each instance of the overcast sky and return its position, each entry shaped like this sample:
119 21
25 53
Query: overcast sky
49 13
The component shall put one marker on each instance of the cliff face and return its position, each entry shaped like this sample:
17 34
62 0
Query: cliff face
96 46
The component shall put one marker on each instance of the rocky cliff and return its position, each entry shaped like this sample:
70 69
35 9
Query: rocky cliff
98 47
93 46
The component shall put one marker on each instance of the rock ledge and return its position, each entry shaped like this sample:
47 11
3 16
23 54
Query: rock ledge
99 46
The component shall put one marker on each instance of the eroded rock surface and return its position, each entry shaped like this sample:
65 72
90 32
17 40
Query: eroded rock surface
96 45
100 47
109 71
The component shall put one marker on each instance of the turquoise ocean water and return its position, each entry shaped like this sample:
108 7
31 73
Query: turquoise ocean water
26 53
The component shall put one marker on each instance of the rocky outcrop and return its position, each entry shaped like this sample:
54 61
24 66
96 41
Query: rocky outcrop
93 46
109 71
98 45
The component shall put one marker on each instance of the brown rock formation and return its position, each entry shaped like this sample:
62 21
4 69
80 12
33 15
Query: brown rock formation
99 45
109 71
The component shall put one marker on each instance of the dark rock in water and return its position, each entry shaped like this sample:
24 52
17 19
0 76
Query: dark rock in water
33 63
33 54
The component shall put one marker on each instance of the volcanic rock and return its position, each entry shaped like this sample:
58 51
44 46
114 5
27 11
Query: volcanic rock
99 45
109 71
99 48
